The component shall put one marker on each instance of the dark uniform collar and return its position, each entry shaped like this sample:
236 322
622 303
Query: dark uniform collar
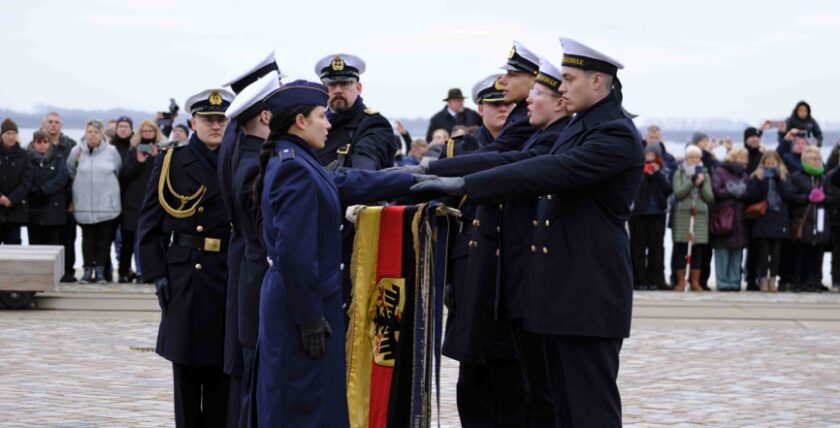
252 143
339 119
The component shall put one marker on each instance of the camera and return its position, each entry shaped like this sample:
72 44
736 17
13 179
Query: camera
167 116
144 148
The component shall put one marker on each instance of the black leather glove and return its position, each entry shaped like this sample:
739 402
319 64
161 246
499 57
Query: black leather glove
449 185
315 337
411 169
449 297
163 292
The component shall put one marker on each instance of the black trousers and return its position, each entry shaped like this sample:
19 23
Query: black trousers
835 259
767 259
808 264
750 267
698 253
582 372
531 350
10 233
491 394
248 354
647 249
200 396
45 235
126 250
68 237
96 242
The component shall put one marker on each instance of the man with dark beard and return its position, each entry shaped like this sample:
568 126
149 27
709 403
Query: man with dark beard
360 137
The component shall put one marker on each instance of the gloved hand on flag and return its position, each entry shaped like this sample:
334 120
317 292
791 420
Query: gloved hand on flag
411 169
449 185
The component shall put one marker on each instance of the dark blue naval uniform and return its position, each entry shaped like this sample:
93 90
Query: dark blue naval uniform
302 211
505 298
238 167
580 283
191 252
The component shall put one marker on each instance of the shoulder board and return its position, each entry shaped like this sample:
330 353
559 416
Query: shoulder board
371 111
286 154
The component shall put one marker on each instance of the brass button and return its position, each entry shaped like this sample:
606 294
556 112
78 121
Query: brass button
198 266
341 228
548 197
341 266
546 223
201 209
533 248
545 250
536 222
498 229
476 222
501 206
497 252
199 228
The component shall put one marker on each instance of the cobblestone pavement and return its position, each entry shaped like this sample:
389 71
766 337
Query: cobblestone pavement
66 369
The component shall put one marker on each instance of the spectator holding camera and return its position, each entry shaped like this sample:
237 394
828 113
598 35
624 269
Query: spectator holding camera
810 226
94 165
728 226
47 196
793 158
135 175
769 192
802 123
693 193
647 223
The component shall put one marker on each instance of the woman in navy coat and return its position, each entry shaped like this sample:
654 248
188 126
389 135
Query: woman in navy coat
300 362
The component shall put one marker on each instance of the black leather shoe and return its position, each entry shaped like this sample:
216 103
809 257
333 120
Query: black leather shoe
68 277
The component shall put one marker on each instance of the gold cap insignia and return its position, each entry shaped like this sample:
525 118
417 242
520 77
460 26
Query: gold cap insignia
337 63
498 85
512 51
215 99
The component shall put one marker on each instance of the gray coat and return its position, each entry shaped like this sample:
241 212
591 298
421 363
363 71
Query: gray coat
96 188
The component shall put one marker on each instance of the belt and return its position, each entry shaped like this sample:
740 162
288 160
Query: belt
213 245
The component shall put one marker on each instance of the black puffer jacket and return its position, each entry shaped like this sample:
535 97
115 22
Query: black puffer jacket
47 198
15 179
803 183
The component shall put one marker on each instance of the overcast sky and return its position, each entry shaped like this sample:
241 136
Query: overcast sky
683 59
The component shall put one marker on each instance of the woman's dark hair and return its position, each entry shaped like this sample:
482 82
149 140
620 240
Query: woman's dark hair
279 126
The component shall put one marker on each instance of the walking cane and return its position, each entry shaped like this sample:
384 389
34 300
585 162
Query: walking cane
690 242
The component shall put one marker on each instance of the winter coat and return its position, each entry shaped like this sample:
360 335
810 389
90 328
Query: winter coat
754 158
47 196
683 186
793 161
730 172
134 178
96 189
444 120
803 183
773 224
652 196
15 179
122 145
808 124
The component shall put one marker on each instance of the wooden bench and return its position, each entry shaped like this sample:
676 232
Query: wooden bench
25 270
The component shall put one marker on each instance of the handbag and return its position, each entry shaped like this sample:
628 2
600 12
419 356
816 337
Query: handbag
796 225
756 210
722 220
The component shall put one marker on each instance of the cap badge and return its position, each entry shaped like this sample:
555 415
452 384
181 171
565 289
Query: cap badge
512 52
498 85
215 99
337 63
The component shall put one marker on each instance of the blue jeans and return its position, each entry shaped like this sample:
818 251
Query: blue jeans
728 268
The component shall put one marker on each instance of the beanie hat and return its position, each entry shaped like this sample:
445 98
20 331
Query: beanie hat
697 137
8 125
653 148
693 150
751 132
126 119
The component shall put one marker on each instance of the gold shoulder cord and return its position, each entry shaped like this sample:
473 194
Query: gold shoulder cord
450 148
180 212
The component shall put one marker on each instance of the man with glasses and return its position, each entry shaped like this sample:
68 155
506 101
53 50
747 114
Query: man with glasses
183 205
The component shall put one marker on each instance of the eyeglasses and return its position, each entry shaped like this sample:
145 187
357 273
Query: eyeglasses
42 141
534 92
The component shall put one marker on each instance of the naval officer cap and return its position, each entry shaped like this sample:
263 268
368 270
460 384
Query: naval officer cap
339 68
263 66
578 55
295 94
549 75
522 59
249 102
209 102
488 90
